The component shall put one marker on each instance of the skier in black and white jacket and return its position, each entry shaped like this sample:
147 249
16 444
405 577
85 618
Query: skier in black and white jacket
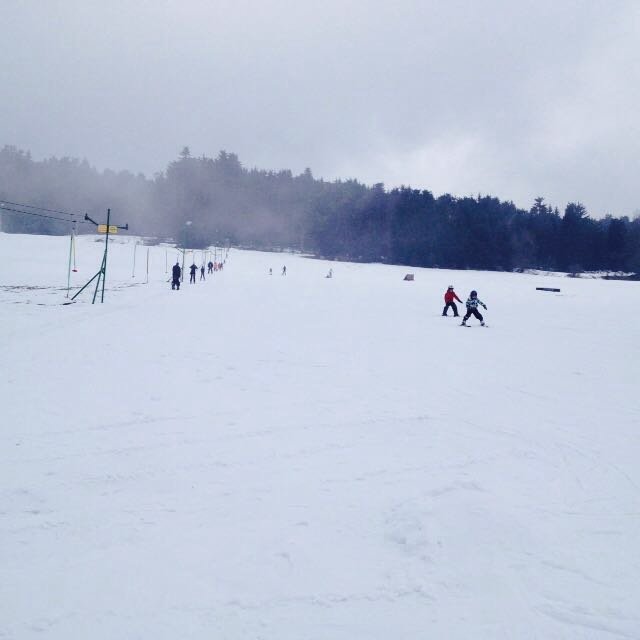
472 308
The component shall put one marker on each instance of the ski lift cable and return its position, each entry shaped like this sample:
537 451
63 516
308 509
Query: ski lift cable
33 206
39 215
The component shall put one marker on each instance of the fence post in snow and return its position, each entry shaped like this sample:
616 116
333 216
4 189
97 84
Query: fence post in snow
69 268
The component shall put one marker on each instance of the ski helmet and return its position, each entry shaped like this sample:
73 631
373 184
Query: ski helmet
474 294
450 286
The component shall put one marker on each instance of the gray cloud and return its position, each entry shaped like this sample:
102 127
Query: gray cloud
512 99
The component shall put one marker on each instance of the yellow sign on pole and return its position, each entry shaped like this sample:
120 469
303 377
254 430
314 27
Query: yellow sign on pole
102 228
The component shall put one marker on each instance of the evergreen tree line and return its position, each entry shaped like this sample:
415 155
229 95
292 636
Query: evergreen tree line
202 201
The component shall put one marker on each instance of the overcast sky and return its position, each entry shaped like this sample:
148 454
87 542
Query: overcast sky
516 99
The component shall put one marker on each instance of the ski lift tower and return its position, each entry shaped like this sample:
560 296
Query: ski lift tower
102 274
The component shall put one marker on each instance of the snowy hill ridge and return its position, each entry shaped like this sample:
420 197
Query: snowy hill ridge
286 457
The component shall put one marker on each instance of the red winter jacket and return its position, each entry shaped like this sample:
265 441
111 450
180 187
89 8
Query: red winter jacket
450 295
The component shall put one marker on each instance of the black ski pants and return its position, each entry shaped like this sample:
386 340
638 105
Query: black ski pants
193 278
175 283
472 311
453 306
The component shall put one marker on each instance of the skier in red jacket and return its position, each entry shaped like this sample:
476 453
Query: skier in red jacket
449 298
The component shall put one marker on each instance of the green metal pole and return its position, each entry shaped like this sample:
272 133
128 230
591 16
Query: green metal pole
106 248
99 275
86 285
69 268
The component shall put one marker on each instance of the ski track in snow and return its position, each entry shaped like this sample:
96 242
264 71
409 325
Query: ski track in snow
293 457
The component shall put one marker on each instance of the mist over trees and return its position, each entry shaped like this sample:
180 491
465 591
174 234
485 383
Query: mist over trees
225 202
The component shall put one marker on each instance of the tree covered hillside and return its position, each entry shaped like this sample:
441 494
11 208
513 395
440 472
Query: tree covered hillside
222 201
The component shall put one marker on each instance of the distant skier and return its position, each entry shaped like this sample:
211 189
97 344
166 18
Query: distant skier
192 271
202 273
270 271
330 274
449 298
210 267
284 271
176 272
472 309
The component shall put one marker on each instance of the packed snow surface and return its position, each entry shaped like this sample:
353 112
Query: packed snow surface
297 457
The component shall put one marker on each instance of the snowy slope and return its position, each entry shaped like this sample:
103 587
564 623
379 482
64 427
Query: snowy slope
298 457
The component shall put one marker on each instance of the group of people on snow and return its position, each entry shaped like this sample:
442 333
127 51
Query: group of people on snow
450 296
282 273
176 272
472 304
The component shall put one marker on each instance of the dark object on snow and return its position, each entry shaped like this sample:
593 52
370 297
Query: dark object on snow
409 277
175 273
547 289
